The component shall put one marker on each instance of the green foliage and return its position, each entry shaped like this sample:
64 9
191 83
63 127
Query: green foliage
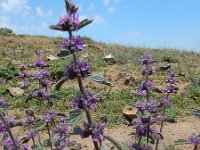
75 117
194 93
5 31
181 142
39 125
8 71
101 80
112 106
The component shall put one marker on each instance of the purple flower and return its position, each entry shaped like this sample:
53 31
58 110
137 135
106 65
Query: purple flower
39 63
169 89
95 130
151 106
31 134
171 80
146 60
194 139
42 74
87 99
38 53
82 69
23 74
141 121
140 105
2 102
9 143
97 135
62 130
29 120
160 118
3 129
154 133
141 93
49 117
146 86
11 122
25 85
68 22
141 130
59 142
147 70
165 102
74 44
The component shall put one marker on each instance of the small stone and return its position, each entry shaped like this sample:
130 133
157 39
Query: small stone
130 113
15 91
51 57
165 67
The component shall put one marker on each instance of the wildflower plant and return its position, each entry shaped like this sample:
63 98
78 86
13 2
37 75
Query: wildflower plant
150 111
84 100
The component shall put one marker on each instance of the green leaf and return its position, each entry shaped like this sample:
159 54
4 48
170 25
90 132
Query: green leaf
4 106
181 142
64 53
116 143
75 130
101 80
39 125
47 143
196 112
75 117
103 147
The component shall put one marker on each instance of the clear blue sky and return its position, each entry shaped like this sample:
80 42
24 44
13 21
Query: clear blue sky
144 23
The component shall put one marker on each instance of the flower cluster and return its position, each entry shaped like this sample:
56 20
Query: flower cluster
82 69
194 139
60 136
150 111
42 77
148 106
49 117
96 131
172 81
86 100
74 44
70 21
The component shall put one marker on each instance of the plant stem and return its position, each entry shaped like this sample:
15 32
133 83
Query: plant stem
96 145
195 147
33 141
162 123
149 118
9 131
49 136
138 146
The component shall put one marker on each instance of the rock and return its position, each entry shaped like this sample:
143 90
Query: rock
51 57
167 59
130 113
15 91
109 59
108 56
165 67
181 74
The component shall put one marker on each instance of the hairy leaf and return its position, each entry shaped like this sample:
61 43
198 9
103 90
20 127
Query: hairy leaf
181 142
75 117
101 80
39 125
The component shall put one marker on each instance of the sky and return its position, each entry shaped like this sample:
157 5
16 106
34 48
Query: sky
140 23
